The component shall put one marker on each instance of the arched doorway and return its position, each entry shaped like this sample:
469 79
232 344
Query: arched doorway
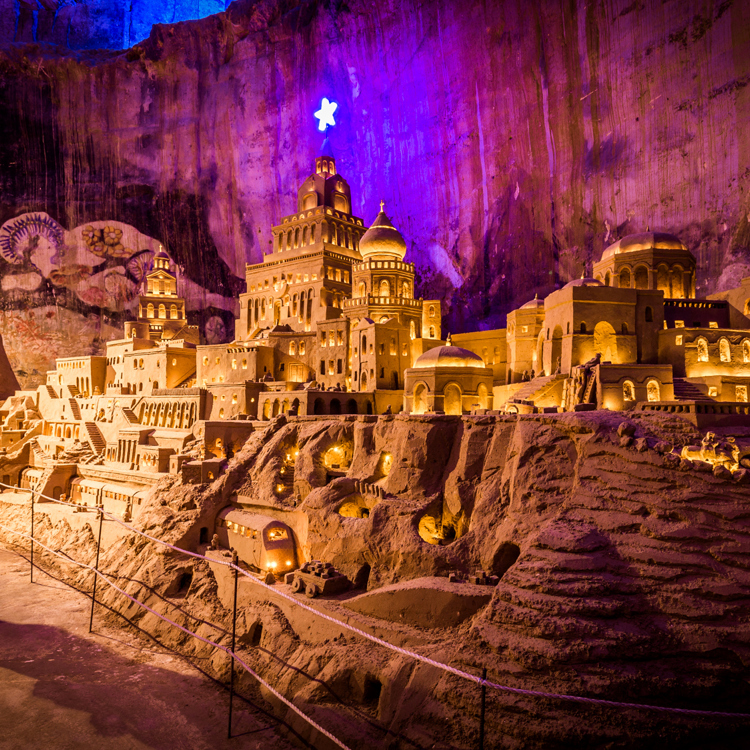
482 396
419 403
605 341
318 407
556 350
452 399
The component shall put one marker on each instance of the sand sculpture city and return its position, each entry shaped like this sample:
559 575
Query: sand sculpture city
458 482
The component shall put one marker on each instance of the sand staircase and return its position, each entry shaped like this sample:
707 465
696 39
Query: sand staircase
130 415
52 392
95 438
686 391
40 457
74 408
536 388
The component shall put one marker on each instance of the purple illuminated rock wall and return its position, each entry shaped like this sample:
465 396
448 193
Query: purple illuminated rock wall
511 141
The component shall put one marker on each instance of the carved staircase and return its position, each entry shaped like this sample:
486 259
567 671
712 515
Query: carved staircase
74 408
130 415
52 392
686 391
536 388
40 457
95 438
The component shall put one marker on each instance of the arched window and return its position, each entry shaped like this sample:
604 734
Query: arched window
625 328
150 310
625 278
362 289
583 328
292 348
652 390
702 349
641 277
162 311
725 353
304 236
649 315
628 391
432 332
312 234
607 279
412 330
296 237
364 345
385 288
173 312
746 351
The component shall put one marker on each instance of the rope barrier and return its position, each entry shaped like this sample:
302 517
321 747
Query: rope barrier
412 654
185 630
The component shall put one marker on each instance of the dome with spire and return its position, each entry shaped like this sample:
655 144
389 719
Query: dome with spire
382 240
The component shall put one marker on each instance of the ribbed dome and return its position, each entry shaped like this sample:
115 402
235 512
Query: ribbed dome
583 282
382 240
644 241
448 356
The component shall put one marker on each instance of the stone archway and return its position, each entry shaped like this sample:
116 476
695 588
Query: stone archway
452 399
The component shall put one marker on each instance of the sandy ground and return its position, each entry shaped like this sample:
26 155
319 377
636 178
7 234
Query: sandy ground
61 687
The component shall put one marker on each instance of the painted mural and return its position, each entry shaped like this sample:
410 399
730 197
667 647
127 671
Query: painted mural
69 291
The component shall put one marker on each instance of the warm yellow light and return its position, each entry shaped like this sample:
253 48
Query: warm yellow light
279 488
272 565
288 562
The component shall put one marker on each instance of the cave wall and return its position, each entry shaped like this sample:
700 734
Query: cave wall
511 142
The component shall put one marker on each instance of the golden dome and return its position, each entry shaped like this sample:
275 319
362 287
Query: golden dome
644 241
583 282
382 240
448 356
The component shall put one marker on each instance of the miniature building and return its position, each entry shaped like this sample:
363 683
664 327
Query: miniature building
448 379
329 324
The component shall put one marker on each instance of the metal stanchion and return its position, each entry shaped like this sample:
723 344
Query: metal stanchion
481 710
235 561
96 567
32 537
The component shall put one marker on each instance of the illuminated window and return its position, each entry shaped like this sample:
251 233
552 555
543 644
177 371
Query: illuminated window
702 349
713 391
234 364
276 535
725 353
679 324
740 393
713 324
678 340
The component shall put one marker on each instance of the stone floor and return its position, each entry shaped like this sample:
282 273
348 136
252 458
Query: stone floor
61 687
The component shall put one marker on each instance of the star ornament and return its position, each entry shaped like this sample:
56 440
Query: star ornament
325 114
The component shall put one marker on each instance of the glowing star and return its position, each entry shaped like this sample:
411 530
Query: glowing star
325 114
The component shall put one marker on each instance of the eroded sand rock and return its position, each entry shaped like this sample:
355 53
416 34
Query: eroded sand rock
624 574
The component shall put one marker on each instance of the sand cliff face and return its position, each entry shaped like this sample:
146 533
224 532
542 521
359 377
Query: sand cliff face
625 574
511 143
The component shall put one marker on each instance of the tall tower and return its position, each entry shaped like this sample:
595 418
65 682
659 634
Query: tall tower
383 285
308 275
161 312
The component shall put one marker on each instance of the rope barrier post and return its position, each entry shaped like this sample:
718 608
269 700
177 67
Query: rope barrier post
481 709
235 562
96 568
32 538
